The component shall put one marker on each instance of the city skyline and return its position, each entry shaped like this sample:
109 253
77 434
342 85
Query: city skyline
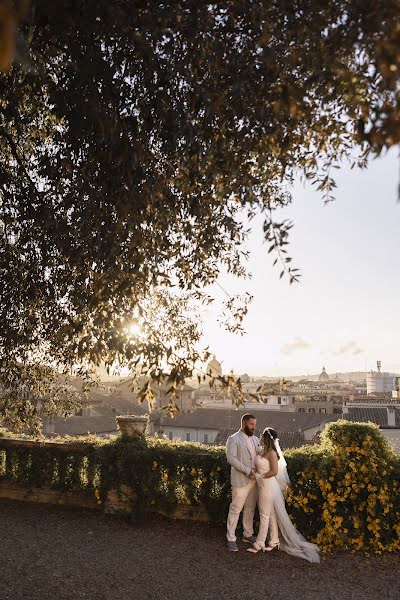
343 314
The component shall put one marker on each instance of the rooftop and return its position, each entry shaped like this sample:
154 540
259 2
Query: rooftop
103 422
376 415
217 418
287 439
163 387
55 553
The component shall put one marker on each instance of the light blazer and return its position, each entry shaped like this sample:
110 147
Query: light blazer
239 457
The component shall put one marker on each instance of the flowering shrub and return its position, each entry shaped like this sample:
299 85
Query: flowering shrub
346 494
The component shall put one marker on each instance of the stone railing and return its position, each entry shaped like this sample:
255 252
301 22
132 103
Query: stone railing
15 484
103 475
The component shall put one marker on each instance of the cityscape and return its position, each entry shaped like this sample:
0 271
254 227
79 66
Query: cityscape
298 408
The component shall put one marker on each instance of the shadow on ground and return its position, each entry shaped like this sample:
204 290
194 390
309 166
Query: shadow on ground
65 554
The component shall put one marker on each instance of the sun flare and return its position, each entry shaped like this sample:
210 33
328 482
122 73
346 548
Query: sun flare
135 330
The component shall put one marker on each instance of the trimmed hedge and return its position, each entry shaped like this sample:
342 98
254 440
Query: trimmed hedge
162 474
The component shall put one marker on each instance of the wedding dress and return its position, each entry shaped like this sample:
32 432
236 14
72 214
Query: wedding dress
282 476
271 500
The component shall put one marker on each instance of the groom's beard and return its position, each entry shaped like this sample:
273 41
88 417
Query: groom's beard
248 431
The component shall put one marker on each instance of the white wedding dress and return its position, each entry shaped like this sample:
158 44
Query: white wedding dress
271 502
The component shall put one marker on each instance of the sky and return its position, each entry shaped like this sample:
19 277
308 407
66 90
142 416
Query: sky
345 312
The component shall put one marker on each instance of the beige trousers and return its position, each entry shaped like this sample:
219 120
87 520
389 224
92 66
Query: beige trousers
243 498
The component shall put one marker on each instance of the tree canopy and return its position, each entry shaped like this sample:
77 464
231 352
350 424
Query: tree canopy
139 138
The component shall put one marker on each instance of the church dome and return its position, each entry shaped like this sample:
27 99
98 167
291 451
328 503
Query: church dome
214 368
324 375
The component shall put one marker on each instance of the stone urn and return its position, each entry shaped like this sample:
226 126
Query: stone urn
132 425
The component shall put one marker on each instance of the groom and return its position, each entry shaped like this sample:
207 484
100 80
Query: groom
241 450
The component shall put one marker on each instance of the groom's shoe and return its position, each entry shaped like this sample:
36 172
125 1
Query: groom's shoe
232 546
249 540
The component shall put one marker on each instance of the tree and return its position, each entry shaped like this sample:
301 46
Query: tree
138 139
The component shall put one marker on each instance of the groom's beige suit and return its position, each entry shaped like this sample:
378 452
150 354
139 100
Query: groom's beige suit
241 451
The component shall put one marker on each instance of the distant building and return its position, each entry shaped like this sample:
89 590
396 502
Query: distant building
98 413
318 405
381 409
214 368
213 425
184 399
324 375
97 416
396 391
380 382
361 389
282 401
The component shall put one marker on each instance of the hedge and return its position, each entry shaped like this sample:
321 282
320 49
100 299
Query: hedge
344 493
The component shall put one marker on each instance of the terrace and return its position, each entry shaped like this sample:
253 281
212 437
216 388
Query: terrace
79 550
70 554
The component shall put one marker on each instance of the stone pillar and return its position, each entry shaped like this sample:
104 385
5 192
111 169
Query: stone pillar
132 425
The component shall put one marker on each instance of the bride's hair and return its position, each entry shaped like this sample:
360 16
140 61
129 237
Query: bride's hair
268 438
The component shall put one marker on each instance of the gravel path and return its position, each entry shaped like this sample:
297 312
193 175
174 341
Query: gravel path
64 554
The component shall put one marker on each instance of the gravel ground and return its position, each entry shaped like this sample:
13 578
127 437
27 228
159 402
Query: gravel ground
69 554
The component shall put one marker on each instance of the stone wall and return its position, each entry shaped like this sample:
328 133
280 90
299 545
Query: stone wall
119 501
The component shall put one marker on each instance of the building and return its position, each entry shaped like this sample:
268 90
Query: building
214 425
129 388
380 382
396 391
281 396
381 409
318 405
97 417
323 376
325 385
277 401
76 426
214 368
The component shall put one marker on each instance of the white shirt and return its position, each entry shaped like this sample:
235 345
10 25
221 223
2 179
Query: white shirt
252 449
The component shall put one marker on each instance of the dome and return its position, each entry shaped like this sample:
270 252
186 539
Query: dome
214 368
324 375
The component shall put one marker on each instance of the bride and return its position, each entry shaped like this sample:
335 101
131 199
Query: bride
271 480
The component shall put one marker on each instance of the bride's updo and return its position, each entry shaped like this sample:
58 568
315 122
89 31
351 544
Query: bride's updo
268 438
